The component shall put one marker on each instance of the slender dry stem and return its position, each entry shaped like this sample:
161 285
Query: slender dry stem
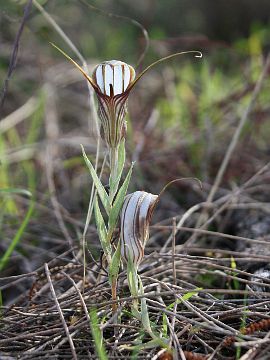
73 351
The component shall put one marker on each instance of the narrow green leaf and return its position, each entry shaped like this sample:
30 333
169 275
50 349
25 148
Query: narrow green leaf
164 325
132 277
102 231
5 172
157 342
138 341
145 316
5 258
16 191
97 335
131 283
121 158
115 263
118 203
144 310
100 188
188 295
185 297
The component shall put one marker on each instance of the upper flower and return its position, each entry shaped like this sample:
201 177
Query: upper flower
113 77
112 81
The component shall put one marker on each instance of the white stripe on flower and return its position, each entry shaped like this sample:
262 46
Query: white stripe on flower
135 218
115 75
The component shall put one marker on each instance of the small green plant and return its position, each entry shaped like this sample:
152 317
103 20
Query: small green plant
112 82
97 335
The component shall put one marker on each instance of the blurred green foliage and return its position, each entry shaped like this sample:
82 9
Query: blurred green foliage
208 100
203 99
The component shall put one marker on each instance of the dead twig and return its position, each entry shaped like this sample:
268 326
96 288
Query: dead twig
73 351
14 55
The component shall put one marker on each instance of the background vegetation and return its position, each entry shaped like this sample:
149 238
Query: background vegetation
182 118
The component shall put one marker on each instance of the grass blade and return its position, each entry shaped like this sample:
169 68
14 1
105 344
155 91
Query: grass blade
118 203
5 258
115 263
185 297
121 158
102 231
15 191
100 188
97 336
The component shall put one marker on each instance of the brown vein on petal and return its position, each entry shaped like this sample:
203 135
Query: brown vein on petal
119 114
149 215
142 225
134 217
130 240
141 220
136 227
122 226
104 116
94 77
122 236
129 76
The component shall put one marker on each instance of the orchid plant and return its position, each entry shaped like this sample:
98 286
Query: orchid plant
112 82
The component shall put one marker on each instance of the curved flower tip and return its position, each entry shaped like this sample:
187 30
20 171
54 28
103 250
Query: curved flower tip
113 77
136 215
200 55
112 81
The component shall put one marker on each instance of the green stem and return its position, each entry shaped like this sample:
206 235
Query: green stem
113 190
114 293
114 172
6 256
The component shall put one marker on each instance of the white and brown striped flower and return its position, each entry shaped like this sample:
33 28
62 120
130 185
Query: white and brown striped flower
112 81
113 77
136 215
